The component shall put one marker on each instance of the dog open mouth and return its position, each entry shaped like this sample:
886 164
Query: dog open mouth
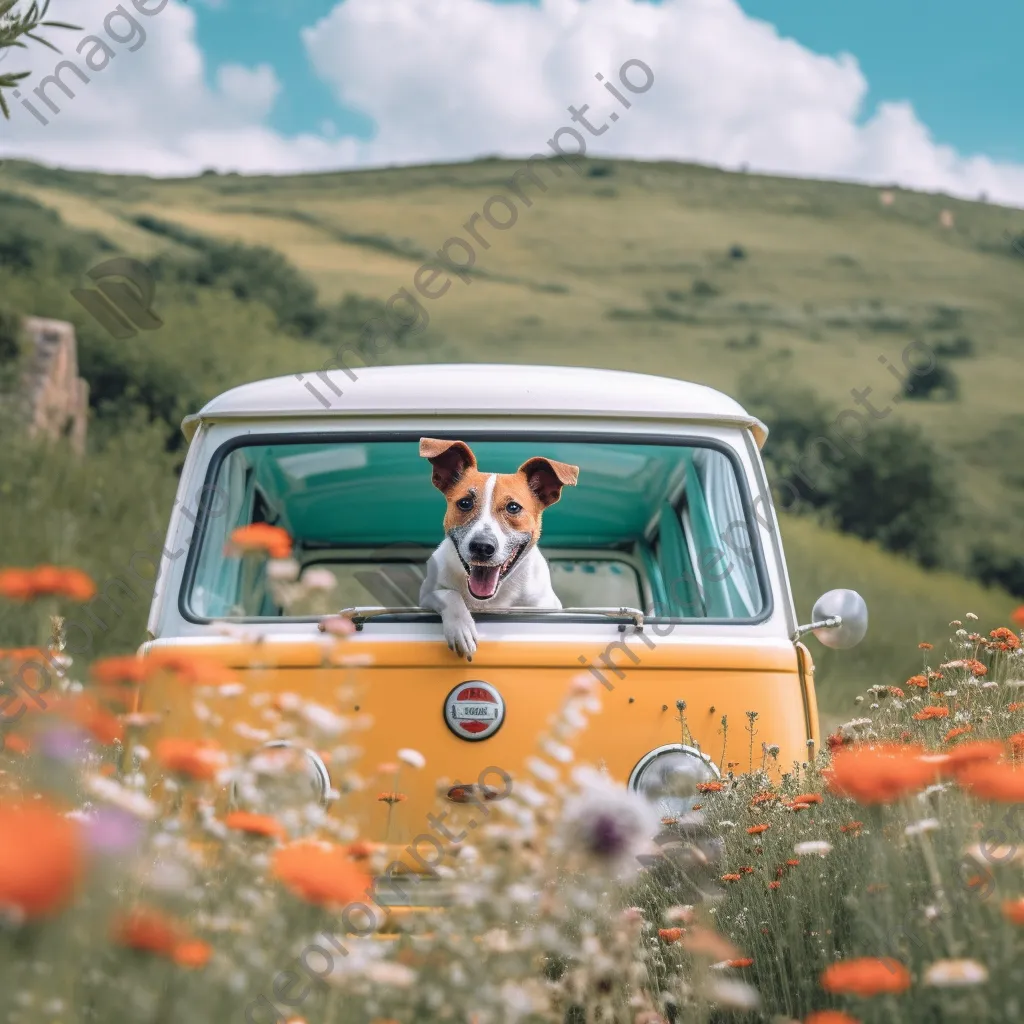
484 579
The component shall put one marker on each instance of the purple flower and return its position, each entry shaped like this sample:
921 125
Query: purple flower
110 831
63 743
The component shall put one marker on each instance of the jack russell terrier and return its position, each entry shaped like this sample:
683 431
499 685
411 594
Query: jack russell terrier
492 527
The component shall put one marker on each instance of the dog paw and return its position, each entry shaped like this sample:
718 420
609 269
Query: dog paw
460 635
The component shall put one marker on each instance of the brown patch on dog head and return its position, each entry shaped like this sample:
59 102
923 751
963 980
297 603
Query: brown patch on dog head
450 459
515 506
545 479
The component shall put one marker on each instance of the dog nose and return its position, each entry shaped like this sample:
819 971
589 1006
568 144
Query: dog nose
482 549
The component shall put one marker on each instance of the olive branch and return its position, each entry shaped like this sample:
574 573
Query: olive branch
15 27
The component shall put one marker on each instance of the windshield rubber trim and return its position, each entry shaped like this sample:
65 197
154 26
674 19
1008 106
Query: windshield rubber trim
580 437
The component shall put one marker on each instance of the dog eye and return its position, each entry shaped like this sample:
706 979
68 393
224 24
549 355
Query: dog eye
464 503
513 508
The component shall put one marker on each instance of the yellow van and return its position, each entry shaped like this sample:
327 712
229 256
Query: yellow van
666 557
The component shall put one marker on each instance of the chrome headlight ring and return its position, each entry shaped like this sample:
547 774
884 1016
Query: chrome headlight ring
320 777
687 761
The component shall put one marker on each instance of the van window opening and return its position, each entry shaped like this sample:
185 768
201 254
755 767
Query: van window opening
661 525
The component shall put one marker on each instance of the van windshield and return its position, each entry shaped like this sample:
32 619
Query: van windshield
663 528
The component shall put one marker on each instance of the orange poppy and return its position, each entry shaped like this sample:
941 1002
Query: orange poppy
866 976
261 538
925 646
1017 705
86 712
15 744
853 826
255 824
756 830
807 798
743 961
20 655
1017 744
1000 782
954 733
879 774
120 671
774 885
831 1017
1017 615
320 873
762 798
705 942
1013 910
199 759
1004 639
148 931
932 711
731 877
41 858
919 681
709 787
46 581
971 753
191 953
670 935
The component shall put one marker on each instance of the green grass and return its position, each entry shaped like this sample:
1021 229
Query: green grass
829 279
662 268
907 605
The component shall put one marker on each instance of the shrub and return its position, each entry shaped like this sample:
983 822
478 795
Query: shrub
34 240
960 348
705 289
751 341
890 487
999 568
938 382
250 273
11 345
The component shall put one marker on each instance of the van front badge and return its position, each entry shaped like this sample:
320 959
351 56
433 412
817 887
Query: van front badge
474 710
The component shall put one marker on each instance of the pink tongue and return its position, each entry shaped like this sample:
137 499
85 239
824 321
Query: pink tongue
483 580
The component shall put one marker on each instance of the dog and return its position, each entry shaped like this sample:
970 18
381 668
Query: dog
489 557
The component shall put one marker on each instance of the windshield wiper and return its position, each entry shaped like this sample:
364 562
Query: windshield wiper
362 613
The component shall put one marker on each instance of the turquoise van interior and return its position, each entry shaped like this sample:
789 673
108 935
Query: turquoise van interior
665 528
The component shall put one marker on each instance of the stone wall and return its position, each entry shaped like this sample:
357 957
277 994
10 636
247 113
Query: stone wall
56 398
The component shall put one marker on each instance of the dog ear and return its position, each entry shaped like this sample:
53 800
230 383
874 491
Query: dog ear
546 478
450 460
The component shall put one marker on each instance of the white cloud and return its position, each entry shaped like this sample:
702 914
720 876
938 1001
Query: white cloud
149 109
447 79
454 79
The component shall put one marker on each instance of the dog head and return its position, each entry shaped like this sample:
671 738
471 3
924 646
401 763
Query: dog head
493 519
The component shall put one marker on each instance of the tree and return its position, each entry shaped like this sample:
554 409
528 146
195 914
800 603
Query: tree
16 27
890 486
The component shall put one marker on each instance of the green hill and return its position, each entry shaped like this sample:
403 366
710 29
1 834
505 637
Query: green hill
717 277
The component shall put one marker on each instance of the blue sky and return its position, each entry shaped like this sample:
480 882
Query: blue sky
927 96
958 63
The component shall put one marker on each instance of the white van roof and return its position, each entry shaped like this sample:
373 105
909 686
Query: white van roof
481 389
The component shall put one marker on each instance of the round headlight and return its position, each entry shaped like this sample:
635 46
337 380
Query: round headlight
669 775
281 776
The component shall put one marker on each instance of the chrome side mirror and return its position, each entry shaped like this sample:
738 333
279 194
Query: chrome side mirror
839 619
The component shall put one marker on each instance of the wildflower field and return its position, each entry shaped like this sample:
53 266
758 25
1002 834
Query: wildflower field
880 881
